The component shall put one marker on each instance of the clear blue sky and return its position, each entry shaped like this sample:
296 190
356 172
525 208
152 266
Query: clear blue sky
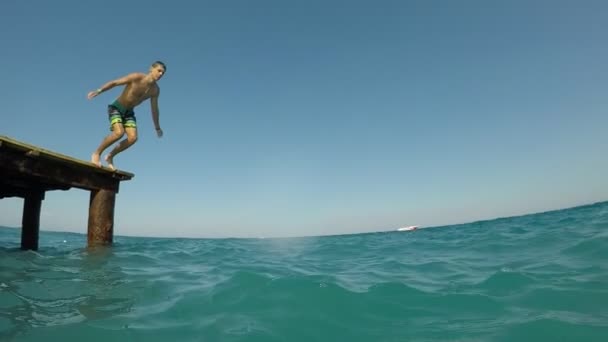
287 118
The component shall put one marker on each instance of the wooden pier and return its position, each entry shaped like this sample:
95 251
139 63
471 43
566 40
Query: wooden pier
28 172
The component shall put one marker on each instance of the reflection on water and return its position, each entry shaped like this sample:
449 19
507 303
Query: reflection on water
42 289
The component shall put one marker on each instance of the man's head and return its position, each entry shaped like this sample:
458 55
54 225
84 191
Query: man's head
158 69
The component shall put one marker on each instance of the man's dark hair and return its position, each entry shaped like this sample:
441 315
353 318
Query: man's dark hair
157 63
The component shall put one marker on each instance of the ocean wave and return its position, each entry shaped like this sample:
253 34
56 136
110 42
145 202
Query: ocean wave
534 277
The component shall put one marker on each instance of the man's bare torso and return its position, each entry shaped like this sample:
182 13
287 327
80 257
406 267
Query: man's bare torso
138 91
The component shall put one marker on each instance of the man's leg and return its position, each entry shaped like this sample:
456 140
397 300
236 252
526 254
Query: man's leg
117 132
124 144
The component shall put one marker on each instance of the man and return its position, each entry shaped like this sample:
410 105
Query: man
138 88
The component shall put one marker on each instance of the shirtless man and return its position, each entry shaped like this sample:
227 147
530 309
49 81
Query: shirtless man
138 88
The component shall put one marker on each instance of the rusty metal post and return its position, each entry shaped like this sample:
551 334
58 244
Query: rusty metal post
30 222
101 217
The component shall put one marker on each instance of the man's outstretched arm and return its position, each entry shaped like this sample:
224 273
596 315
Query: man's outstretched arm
120 81
155 114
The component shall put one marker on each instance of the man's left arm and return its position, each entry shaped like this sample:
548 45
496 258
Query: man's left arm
155 114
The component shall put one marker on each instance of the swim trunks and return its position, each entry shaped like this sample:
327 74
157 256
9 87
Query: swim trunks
117 113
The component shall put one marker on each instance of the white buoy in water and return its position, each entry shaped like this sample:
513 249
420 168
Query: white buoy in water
407 229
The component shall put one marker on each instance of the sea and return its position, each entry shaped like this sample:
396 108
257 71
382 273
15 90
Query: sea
537 277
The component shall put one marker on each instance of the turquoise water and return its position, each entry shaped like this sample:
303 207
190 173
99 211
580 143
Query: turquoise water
541 277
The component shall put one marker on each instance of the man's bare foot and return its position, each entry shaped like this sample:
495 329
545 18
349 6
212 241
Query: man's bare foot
95 159
110 160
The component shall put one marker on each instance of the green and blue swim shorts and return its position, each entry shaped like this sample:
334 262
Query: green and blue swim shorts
117 113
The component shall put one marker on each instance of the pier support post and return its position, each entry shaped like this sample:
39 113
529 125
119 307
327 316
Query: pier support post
30 223
101 217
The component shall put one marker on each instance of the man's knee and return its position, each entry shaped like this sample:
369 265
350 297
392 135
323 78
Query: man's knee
117 135
131 138
118 132
131 135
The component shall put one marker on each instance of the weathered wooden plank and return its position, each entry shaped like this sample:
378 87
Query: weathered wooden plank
35 151
15 185
22 192
19 165
13 181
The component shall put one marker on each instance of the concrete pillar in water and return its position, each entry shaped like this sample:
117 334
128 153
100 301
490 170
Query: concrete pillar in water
30 224
101 218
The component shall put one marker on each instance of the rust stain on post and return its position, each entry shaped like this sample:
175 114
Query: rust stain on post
101 218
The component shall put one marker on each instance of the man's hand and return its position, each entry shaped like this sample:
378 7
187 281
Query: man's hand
93 93
159 132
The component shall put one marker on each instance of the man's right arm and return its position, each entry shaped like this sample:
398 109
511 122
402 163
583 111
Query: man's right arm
117 82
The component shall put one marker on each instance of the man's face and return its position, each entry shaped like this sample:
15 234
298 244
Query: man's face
157 72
